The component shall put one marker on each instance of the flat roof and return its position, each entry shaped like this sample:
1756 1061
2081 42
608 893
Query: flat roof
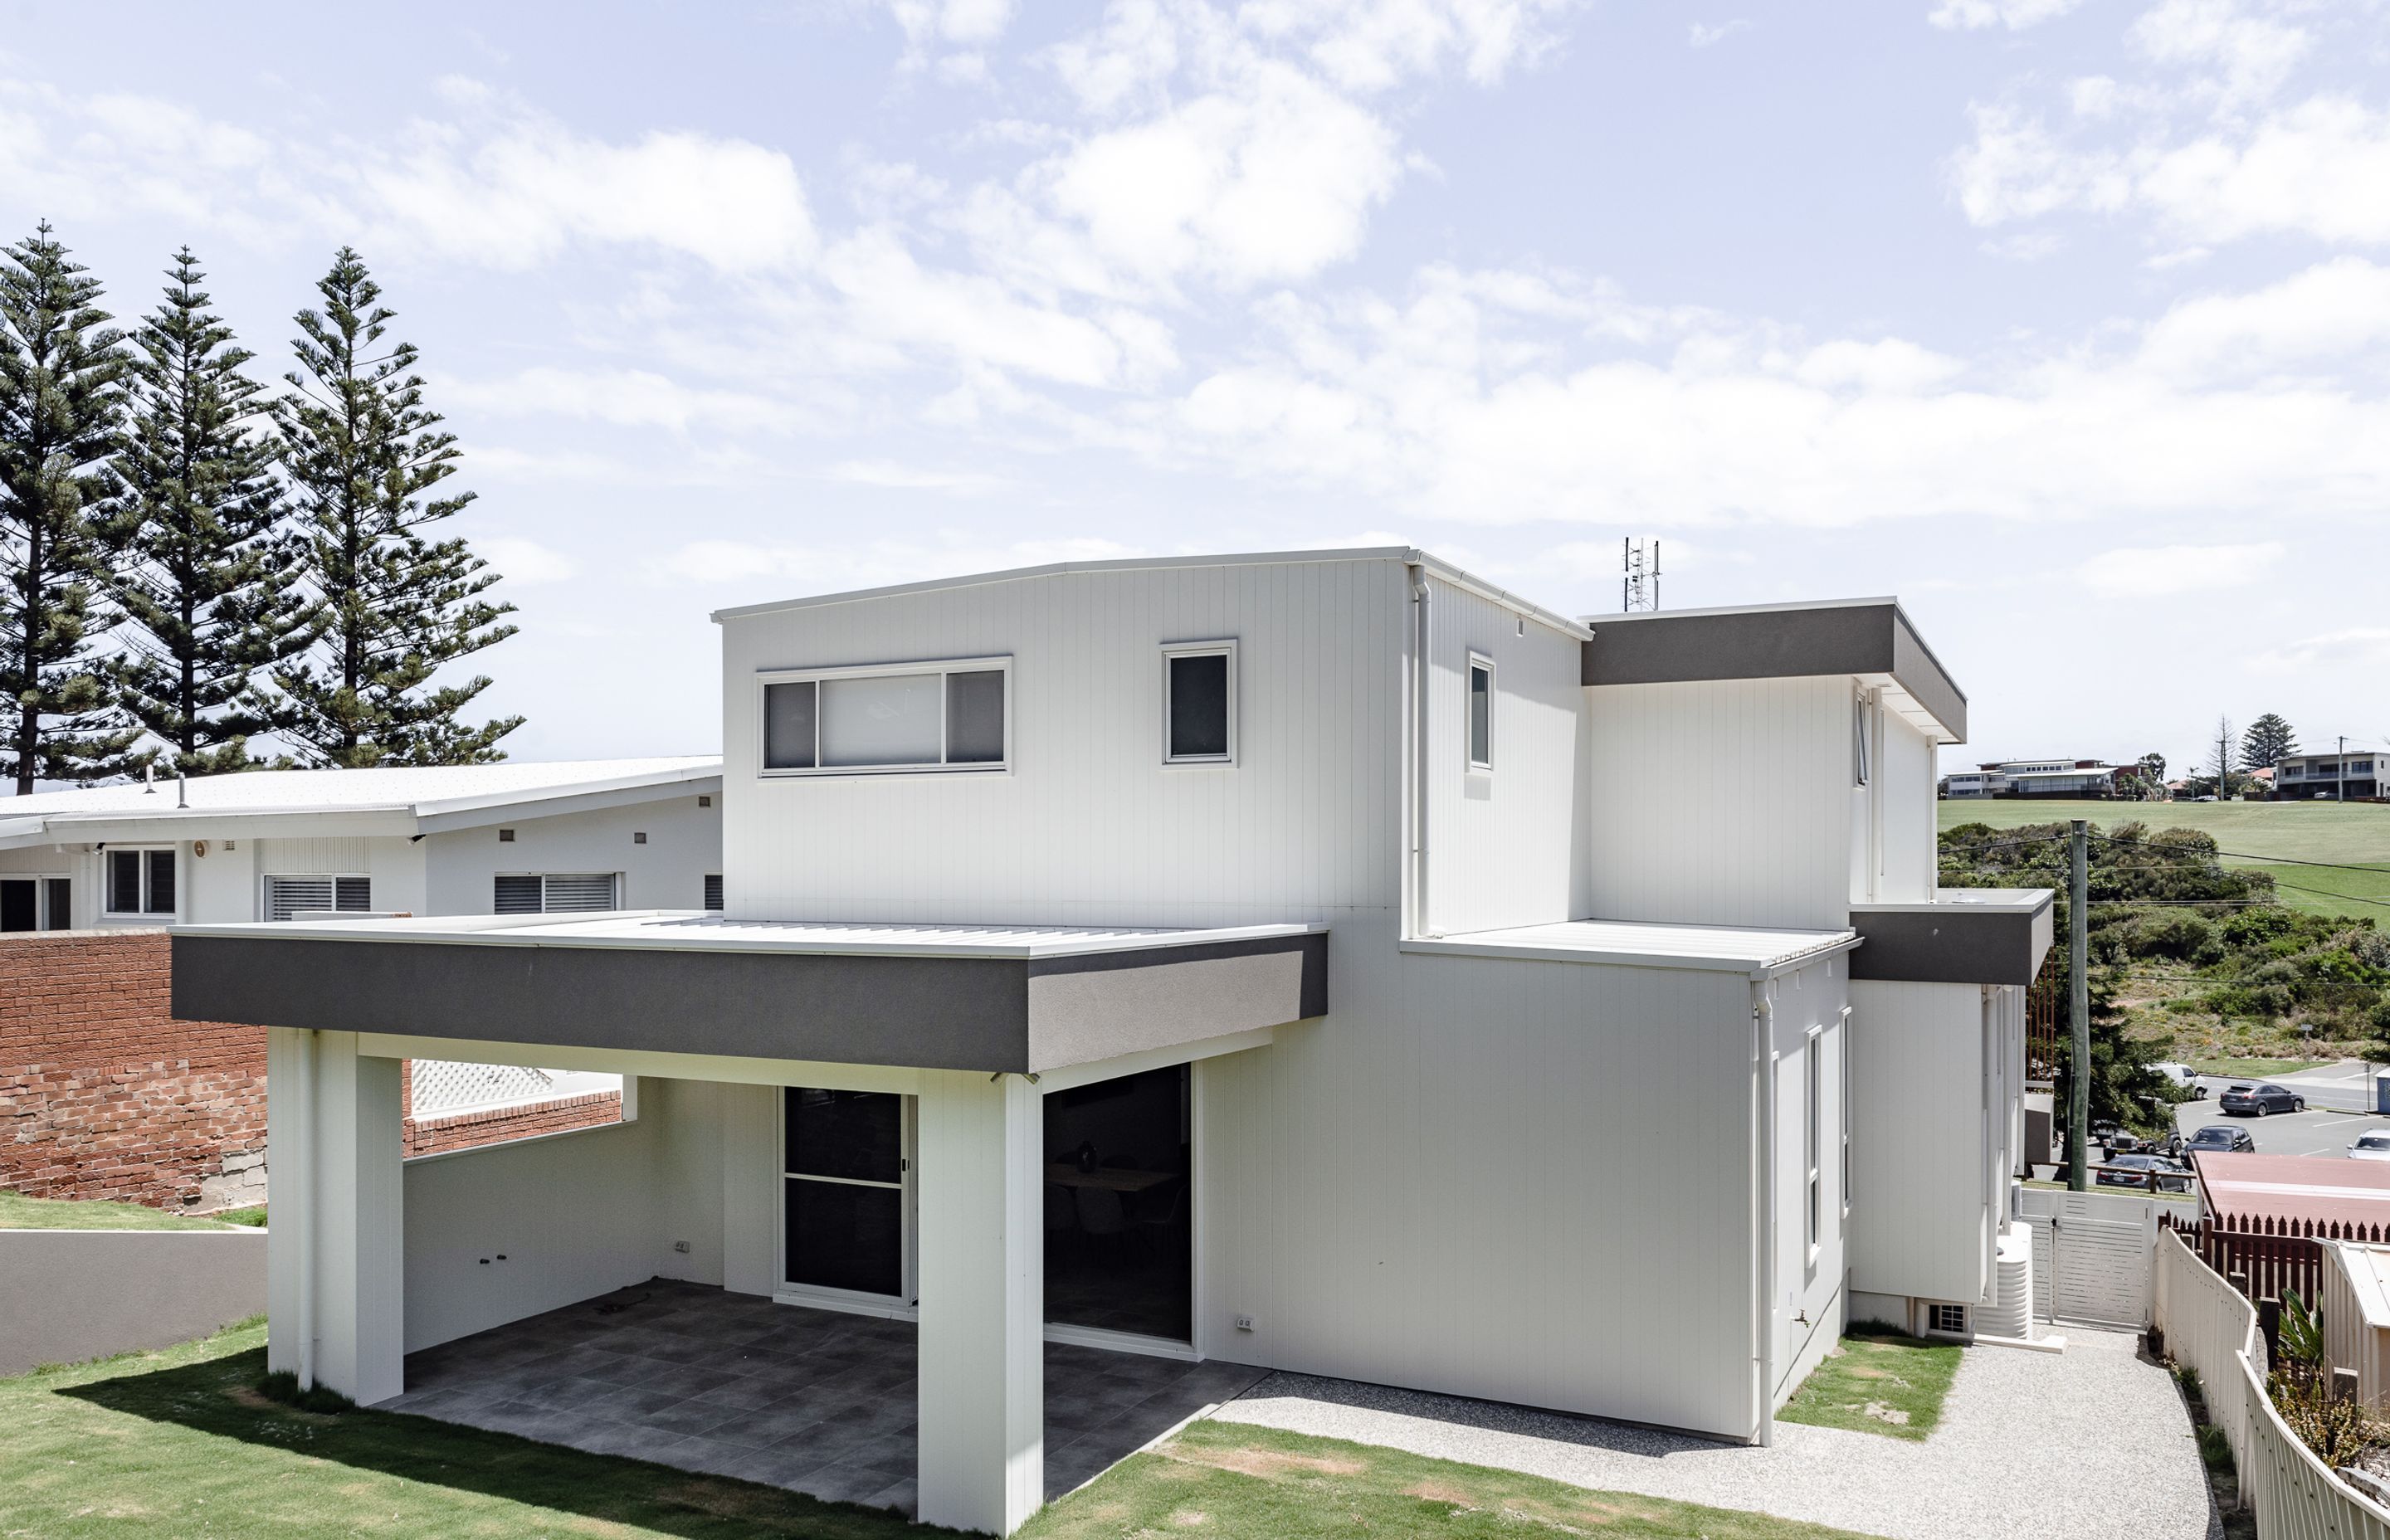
2367 1269
698 931
1634 944
2325 1189
992 998
1435 564
421 798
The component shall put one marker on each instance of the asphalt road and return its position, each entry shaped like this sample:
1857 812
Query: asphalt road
2314 1131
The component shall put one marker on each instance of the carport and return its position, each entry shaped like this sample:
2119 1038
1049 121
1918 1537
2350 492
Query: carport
971 1027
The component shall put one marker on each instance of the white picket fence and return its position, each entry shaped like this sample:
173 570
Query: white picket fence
2209 1326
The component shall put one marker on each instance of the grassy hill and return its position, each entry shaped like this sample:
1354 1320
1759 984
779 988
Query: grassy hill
2287 833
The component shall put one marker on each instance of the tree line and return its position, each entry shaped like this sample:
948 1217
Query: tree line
191 561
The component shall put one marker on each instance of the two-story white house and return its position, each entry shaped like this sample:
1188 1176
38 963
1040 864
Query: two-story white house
1279 960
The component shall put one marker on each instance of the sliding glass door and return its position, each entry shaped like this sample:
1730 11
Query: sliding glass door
846 1180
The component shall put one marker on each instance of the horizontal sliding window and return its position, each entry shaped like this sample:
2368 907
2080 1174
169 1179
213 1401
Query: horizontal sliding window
931 716
553 892
289 897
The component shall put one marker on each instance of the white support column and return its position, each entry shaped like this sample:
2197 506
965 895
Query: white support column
335 1252
983 1277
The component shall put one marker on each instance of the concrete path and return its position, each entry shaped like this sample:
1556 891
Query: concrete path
2091 1444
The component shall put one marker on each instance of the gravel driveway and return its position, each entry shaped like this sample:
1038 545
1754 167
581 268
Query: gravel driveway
2091 1444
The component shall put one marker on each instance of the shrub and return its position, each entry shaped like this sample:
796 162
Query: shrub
2175 933
2258 923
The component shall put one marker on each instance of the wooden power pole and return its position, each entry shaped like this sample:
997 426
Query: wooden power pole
2079 1008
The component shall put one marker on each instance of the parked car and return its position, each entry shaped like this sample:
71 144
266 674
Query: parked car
2183 1077
2255 1101
2128 1171
2220 1138
2371 1146
2114 1138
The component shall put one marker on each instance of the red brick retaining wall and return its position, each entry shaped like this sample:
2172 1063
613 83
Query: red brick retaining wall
466 1130
103 1094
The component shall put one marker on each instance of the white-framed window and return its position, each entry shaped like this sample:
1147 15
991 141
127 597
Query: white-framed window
287 897
1198 709
37 901
1481 712
554 892
1859 740
1948 1319
1815 1135
1843 1059
139 882
955 714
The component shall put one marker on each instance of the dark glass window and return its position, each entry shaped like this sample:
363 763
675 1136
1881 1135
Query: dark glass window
841 1236
714 890
975 717
789 727
125 882
17 905
855 1134
1481 714
517 895
161 883
1199 706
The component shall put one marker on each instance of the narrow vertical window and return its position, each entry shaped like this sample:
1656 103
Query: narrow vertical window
713 890
125 882
1859 740
789 727
1200 704
1481 713
1815 1131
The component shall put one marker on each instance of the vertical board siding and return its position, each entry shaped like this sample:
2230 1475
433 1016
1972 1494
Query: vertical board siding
1089 826
1722 802
668 872
1906 783
1506 847
1519 1180
1921 1226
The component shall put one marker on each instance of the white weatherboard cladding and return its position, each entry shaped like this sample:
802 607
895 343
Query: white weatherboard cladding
1722 802
1473 1176
1923 1146
1088 825
668 872
1905 782
1506 846
1808 1008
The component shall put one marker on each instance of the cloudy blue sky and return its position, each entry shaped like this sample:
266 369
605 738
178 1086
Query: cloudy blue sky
2065 320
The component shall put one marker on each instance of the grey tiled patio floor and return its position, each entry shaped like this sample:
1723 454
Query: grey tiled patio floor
735 1385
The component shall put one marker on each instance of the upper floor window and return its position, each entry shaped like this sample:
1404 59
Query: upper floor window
554 892
1481 713
141 882
1859 740
1199 715
915 717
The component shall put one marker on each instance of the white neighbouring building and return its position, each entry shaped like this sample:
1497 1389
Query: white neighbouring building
1332 891
271 845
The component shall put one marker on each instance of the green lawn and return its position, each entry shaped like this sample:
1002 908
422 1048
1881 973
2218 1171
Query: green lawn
1877 1384
2261 1069
179 1443
21 1212
2345 833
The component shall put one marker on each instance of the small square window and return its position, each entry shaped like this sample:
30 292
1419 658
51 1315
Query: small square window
639 838
1481 713
141 882
1199 708
506 837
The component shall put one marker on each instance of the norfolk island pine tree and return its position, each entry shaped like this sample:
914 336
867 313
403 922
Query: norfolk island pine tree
387 606
62 402
209 577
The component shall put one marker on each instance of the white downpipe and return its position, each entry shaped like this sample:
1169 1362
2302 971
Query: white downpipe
1422 754
1763 1032
306 1163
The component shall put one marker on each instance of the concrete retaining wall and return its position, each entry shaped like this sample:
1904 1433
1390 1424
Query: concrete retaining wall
77 1294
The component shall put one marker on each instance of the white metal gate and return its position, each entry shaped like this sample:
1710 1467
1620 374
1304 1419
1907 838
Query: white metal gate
2091 1255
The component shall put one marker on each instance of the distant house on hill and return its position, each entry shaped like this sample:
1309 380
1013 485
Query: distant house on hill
2078 779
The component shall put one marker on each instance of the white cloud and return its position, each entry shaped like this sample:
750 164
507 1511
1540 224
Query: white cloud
2335 310
786 570
970 22
1270 179
1890 366
625 398
2247 56
1705 34
490 184
2157 571
2351 648
1370 45
2014 15
525 563
907 478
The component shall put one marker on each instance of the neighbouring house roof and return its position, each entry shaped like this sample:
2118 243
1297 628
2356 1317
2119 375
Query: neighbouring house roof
1868 637
389 800
1632 943
1435 564
2307 1192
987 997
2368 1271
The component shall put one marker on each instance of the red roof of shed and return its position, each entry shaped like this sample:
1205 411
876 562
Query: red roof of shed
2295 1190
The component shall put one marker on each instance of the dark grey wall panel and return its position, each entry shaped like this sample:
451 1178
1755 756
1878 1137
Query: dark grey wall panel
1952 944
946 1013
1082 1009
1773 643
928 1012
